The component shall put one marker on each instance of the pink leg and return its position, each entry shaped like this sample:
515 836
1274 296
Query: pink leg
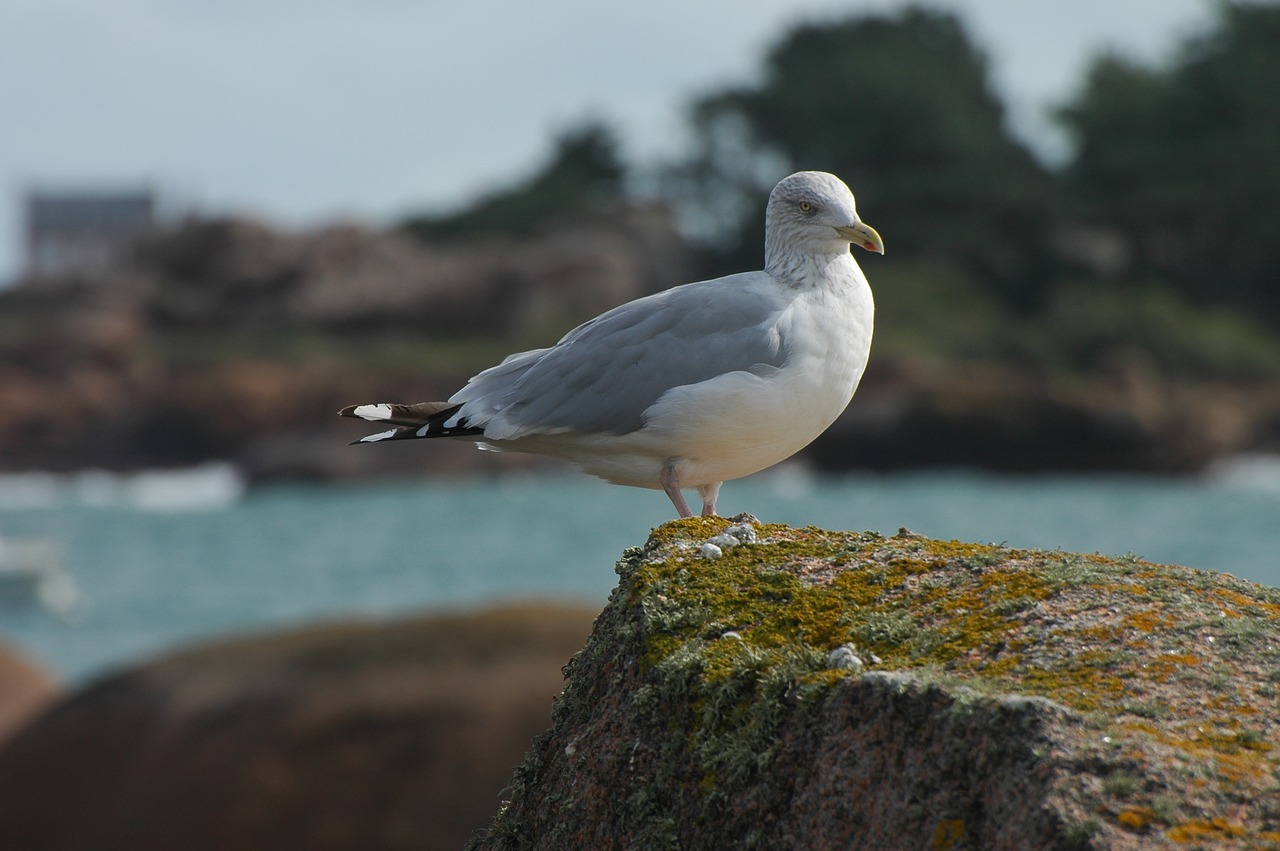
709 494
672 486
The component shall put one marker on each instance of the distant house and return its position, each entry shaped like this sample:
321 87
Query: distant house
83 233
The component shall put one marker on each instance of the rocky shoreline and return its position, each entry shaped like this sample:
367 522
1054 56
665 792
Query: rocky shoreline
230 341
276 420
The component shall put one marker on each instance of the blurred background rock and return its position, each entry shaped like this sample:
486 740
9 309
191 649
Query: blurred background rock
390 735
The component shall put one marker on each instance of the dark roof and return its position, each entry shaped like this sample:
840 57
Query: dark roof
93 211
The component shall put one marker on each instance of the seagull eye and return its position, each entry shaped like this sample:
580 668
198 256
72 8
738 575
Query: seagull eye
806 207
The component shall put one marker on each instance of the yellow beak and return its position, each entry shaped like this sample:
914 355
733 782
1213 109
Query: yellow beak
864 235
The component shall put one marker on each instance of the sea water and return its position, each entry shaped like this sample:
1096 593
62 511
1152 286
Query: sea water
166 561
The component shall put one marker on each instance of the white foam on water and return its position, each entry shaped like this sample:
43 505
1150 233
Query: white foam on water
208 487
1252 471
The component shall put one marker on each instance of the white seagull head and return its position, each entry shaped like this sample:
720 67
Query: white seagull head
813 212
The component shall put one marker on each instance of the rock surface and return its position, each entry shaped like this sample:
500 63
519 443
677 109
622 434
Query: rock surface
229 340
1013 420
358 736
819 690
237 273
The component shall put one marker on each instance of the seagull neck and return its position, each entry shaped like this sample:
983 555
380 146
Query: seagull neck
795 268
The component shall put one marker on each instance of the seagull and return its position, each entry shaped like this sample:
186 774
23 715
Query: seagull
694 386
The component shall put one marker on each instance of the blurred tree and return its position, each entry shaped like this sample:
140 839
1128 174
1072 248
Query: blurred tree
585 170
1185 161
902 109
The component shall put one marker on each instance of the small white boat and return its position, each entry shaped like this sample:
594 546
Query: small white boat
32 568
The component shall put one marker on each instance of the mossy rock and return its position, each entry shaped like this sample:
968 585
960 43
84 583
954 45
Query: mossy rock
819 689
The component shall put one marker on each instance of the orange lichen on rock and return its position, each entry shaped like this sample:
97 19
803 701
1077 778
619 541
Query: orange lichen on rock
841 689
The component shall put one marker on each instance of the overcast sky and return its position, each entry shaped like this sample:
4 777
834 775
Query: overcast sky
304 111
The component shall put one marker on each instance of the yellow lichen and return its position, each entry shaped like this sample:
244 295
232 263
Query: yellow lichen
1135 818
991 617
1148 620
1198 830
947 834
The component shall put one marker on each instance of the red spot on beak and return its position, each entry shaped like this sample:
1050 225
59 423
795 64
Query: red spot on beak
868 246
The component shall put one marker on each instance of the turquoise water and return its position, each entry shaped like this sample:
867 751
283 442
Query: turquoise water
163 571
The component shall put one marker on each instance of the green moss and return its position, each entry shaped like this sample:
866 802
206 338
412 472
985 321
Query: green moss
1121 784
822 590
750 631
1149 665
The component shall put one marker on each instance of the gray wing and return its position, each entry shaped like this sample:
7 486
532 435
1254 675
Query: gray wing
603 375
